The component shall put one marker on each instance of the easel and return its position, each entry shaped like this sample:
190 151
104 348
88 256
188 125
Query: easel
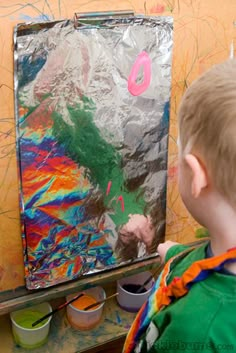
21 297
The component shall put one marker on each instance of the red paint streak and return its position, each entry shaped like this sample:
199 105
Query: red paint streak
108 188
158 8
41 117
120 198
172 172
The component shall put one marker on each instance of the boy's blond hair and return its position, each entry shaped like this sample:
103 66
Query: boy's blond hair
207 125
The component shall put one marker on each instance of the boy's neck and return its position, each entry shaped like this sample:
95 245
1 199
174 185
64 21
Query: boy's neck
217 248
221 223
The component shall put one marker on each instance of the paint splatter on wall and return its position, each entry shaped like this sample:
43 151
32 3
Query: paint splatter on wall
92 143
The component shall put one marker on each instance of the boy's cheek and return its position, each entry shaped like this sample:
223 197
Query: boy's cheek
184 190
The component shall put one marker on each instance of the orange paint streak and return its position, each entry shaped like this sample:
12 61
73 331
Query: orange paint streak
97 242
23 111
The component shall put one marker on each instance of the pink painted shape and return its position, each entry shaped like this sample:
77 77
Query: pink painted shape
120 198
144 60
108 188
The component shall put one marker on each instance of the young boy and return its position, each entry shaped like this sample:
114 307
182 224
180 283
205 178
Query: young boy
193 305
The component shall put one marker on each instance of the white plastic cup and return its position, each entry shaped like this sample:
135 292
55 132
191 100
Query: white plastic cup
85 320
132 302
35 337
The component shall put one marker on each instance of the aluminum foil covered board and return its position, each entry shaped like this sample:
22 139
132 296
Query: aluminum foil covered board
92 116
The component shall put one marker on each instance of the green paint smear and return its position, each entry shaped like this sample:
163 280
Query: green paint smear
85 145
28 317
202 233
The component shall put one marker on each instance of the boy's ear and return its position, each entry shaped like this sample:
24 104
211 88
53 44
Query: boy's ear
199 176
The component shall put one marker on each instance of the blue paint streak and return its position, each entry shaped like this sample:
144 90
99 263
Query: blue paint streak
166 115
40 18
118 317
29 68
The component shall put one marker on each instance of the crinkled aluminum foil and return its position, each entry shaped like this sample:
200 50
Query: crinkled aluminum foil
59 67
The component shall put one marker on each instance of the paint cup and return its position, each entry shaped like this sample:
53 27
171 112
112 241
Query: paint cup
24 334
85 320
130 301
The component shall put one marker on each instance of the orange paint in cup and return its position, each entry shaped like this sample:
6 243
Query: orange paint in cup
78 317
85 301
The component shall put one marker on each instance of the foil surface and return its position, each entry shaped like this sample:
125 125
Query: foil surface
91 152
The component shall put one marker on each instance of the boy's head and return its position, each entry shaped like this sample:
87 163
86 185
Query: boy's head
207 132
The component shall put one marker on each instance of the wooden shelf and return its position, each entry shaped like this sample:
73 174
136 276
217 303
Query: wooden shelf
63 338
18 299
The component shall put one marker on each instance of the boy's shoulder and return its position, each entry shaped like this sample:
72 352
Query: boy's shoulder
179 326
183 256
198 249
